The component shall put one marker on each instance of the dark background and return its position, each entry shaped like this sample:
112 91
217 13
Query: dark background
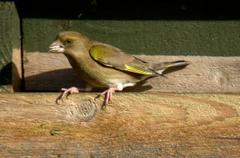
130 9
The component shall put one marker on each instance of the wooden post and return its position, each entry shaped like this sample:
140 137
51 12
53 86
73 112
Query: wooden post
10 51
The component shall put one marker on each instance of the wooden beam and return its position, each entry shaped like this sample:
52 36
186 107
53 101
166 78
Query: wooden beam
132 125
51 72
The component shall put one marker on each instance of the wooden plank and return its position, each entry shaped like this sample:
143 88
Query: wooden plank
133 125
51 72
10 53
151 37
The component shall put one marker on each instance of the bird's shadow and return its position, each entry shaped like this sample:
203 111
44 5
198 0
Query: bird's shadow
53 81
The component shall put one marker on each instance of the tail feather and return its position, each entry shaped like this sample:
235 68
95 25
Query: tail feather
166 67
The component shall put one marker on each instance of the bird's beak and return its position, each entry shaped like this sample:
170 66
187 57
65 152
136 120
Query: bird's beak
57 47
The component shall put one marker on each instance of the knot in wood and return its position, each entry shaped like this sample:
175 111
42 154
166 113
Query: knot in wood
83 111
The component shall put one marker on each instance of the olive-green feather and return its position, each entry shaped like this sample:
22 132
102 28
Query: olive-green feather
137 70
113 57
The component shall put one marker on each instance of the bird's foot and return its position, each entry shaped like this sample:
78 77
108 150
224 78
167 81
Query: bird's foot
66 92
107 96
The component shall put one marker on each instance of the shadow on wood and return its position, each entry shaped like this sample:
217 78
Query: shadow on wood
10 78
54 81
5 75
50 72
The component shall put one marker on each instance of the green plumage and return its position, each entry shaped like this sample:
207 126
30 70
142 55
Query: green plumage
111 57
103 65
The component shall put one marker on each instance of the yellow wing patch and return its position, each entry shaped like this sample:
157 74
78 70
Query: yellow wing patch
96 52
136 70
112 58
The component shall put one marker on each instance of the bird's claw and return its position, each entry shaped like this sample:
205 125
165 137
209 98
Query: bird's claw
107 96
60 97
66 92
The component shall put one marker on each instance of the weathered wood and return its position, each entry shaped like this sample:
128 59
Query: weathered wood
10 47
158 37
51 72
133 125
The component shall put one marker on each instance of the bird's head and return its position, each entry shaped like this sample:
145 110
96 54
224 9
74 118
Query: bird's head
67 41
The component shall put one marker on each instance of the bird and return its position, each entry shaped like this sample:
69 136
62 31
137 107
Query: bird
102 65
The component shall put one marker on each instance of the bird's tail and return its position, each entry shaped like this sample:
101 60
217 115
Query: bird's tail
167 67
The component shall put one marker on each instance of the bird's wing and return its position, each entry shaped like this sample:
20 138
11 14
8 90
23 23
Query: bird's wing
113 57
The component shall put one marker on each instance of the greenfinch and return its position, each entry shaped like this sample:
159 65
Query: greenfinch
104 66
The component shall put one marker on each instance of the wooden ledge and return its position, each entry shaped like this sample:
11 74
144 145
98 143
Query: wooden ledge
51 72
133 125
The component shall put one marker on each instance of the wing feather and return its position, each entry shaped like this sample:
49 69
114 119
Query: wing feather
113 57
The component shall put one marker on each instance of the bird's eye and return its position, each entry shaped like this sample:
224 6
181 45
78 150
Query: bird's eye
67 42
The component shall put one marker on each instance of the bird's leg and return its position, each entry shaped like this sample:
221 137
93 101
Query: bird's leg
107 95
67 91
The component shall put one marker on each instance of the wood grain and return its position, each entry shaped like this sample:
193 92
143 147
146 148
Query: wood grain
51 72
133 125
